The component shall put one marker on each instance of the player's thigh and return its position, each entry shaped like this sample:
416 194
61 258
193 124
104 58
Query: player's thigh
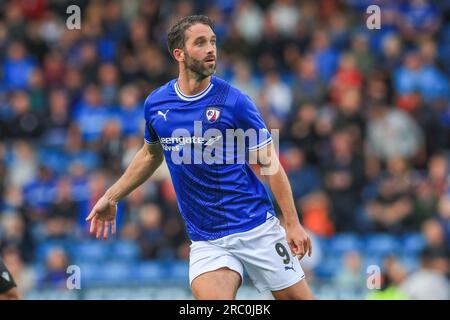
298 291
214 273
220 284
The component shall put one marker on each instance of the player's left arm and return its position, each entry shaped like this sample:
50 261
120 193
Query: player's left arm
274 174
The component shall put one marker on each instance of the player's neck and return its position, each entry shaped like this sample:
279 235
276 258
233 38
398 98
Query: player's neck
191 86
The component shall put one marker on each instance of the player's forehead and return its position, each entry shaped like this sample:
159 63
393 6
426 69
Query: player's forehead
199 30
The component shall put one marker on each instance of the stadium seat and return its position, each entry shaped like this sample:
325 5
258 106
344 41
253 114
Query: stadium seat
328 268
320 242
412 244
167 254
381 245
124 251
38 270
44 248
117 273
91 251
90 273
178 271
149 272
343 243
410 262
53 159
371 260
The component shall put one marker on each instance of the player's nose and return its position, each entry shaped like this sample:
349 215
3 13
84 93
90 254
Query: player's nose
211 50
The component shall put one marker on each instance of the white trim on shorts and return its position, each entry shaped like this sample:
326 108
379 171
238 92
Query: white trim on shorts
206 265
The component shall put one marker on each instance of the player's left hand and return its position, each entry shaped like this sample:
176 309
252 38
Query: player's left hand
298 240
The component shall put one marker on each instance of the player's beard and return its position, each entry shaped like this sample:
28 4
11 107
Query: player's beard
197 68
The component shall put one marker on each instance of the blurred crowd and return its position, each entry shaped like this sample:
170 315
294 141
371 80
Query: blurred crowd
364 116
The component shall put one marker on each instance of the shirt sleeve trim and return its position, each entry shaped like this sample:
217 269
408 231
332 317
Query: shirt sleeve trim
151 142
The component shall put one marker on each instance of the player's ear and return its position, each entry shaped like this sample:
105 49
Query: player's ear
178 54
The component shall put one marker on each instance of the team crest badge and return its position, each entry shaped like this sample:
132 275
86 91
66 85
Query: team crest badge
212 114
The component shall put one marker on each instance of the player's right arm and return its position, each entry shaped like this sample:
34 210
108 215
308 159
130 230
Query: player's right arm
144 163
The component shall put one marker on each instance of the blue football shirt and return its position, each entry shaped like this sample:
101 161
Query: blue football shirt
217 191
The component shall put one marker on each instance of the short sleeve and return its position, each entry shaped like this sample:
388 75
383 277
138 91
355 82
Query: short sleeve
150 136
247 117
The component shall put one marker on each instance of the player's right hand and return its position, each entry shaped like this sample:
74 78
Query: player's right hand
103 217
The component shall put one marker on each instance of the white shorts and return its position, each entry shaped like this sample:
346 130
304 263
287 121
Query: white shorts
262 251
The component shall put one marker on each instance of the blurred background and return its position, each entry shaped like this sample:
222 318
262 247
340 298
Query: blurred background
364 120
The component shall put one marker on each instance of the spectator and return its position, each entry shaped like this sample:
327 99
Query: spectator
24 276
325 56
40 192
365 60
434 234
285 16
304 178
391 52
393 277
249 21
242 79
427 118
22 168
17 67
351 278
364 116
343 176
130 113
419 16
308 87
438 171
38 97
316 213
278 95
414 75
392 209
392 133
429 282
58 122
16 234
25 124
109 84
111 146
92 115
444 218
151 236
350 116
60 222
347 77
301 132
55 275
54 68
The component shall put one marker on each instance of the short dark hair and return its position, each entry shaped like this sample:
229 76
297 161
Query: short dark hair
176 37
